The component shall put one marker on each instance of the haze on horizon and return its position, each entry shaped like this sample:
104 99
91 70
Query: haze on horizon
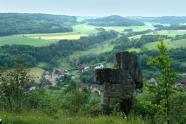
97 7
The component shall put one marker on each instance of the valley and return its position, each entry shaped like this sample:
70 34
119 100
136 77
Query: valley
58 57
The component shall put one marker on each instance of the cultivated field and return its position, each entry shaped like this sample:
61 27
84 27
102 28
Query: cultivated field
169 44
22 40
45 39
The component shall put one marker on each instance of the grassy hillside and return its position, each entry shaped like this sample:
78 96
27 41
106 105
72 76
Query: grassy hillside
45 39
24 40
169 44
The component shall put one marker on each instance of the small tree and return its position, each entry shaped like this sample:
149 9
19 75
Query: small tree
13 86
166 82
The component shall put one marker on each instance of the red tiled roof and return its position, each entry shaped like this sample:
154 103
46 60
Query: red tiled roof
183 82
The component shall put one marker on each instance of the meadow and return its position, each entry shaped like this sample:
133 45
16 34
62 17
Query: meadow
79 30
37 118
46 39
169 44
22 40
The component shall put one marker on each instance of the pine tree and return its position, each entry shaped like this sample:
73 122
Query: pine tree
166 83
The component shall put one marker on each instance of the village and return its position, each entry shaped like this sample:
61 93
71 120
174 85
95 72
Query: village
59 77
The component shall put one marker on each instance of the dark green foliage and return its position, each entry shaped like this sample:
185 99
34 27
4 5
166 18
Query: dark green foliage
12 23
114 21
163 19
32 55
172 27
88 77
13 88
163 100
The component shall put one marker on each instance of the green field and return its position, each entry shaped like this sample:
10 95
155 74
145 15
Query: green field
121 29
22 40
141 28
38 118
172 33
56 36
85 30
48 38
78 31
45 39
169 44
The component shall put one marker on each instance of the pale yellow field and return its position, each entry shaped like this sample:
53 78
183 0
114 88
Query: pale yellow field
78 31
115 28
36 73
60 37
172 33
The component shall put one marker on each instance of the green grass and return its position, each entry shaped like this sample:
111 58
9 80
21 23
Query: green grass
44 39
121 29
172 33
183 64
115 28
85 29
169 44
57 36
96 50
22 40
140 28
37 118
137 50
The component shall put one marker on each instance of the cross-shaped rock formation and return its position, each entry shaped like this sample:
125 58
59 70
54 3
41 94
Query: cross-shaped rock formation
120 82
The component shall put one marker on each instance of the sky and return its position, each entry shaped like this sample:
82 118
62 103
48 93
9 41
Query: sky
97 7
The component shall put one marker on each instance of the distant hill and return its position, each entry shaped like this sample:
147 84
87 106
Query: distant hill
114 20
163 19
14 23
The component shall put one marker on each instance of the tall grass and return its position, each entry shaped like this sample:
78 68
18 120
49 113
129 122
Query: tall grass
37 118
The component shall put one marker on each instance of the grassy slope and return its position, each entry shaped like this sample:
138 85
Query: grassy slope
169 44
47 38
172 33
97 49
36 73
22 40
36 118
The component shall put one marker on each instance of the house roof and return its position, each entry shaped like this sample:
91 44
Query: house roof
183 81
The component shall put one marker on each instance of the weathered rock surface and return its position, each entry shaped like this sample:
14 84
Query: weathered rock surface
119 83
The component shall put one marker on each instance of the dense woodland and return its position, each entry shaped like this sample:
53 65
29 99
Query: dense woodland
114 21
163 20
13 23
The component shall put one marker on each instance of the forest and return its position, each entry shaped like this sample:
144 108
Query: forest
14 23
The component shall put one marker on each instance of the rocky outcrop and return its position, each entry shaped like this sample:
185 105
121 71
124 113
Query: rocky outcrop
120 82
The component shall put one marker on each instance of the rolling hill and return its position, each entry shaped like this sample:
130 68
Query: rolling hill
114 20
16 23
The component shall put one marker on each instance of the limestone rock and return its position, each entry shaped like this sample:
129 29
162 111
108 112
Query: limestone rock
119 83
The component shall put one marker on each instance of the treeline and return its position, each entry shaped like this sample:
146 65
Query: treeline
131 33
13 23
30 55
114 21
171 27
163 19
123 43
